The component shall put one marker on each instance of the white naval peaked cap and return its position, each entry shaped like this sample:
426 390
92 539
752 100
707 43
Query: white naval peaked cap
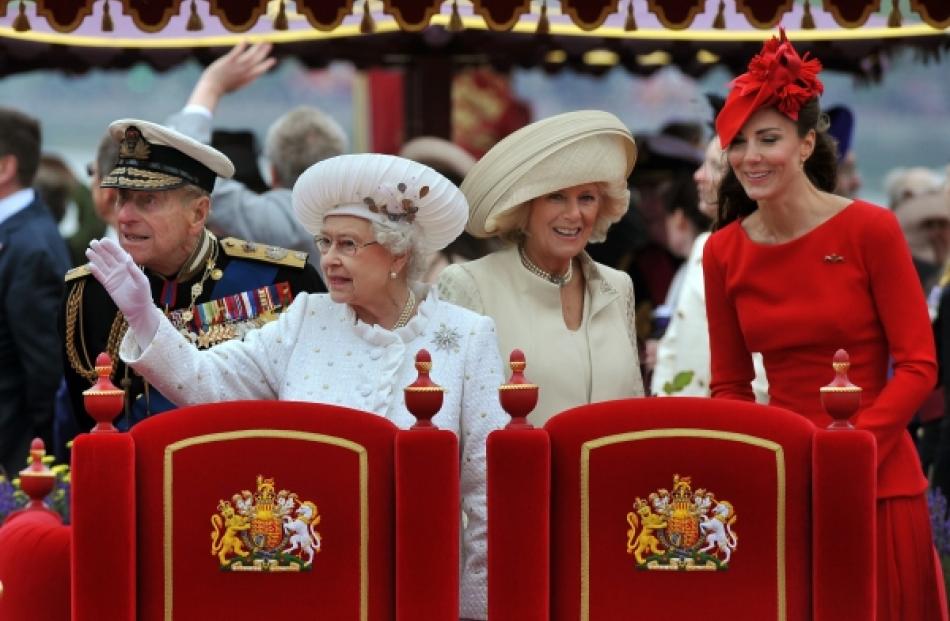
155 157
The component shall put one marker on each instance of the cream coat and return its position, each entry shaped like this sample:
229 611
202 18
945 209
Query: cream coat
598 362
318 351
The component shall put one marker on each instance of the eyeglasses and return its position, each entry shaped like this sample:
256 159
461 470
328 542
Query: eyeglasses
344 245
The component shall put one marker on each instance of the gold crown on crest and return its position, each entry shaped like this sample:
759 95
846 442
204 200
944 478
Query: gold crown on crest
264 498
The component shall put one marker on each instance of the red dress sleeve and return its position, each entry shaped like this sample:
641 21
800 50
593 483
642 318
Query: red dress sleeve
902 311
730 360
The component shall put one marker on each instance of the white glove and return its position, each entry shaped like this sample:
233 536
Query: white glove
127 286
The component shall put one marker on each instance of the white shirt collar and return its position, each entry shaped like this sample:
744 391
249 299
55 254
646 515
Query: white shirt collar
15 203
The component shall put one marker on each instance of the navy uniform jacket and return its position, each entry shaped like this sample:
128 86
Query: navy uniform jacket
33 258
245 279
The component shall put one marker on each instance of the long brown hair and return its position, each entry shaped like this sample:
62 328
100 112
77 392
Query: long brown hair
821 167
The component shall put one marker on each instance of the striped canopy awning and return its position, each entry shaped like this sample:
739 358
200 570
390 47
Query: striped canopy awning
588 35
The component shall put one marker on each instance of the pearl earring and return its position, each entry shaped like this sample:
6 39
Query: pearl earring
392 275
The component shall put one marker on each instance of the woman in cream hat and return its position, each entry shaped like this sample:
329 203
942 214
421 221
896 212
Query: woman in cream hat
548 189
375 217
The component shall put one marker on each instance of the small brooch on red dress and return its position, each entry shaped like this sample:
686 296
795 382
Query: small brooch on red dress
834 258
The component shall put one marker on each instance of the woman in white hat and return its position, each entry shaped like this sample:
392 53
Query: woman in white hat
375 217
549 189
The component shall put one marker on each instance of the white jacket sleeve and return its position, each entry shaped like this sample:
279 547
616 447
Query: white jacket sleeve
249 369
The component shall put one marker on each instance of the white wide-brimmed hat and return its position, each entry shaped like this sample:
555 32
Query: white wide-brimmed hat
155 157
562 151
382 188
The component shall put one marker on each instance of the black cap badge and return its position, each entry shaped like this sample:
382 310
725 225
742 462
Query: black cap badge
133 145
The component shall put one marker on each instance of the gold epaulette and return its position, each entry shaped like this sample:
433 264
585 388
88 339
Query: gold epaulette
78 272
241 249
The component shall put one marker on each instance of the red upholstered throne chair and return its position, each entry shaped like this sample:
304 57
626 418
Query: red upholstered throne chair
608 513
193 515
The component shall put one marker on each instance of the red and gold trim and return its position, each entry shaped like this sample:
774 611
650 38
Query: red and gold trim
764 15
678 17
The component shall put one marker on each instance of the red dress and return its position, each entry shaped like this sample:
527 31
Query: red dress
848 283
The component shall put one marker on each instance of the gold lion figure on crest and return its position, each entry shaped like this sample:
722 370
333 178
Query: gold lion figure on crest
229 542
646 542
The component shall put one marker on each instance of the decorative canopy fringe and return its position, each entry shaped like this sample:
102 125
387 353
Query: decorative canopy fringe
194 20
630 24
21 23
367 25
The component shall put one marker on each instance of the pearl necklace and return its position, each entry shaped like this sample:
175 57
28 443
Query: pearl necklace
406 313
557 279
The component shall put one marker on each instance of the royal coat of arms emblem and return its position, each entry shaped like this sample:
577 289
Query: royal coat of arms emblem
682 530
265 531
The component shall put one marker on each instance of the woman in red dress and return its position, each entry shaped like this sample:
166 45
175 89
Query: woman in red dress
796 272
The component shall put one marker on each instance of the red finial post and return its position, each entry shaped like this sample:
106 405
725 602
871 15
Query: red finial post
423 396
840 398
37 480
103 401
518 396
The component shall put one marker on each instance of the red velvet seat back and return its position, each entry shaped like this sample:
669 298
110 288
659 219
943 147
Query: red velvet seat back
754 459
189 460
34 567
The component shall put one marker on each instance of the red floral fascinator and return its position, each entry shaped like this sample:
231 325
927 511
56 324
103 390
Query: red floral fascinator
776 76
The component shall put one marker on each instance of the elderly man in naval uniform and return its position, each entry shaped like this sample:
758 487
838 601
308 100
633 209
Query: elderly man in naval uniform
212 290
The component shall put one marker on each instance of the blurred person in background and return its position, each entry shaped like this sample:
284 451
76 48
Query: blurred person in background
925 221
938 440
684 222
913 195
33 259
241 147
452 162
296 140
841 128
55 183
682 354
70 203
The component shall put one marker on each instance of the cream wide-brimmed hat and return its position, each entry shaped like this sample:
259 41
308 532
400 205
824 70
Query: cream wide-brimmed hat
382 188
562 151
155 157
